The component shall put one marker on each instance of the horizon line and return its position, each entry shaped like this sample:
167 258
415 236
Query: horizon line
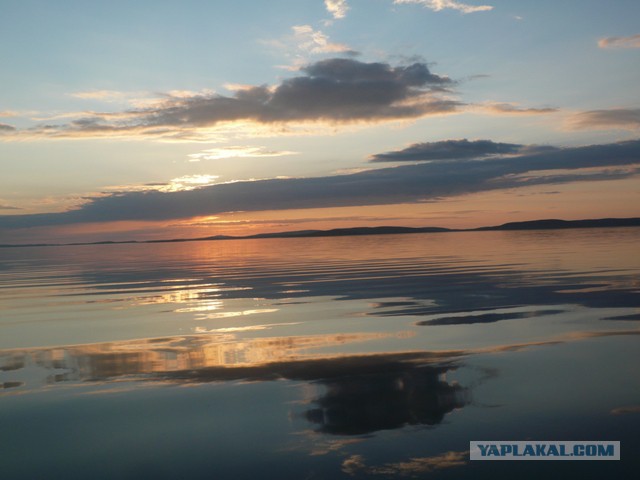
540 224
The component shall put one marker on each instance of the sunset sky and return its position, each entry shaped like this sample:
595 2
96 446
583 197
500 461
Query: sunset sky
163 119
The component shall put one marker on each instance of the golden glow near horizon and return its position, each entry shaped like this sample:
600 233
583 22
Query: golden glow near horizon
568 201
470 211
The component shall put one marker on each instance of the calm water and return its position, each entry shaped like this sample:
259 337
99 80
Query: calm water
355 357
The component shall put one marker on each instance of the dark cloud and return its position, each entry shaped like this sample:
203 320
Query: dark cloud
332 90
343 89
409 183
345 70
6 128
448 149
336 89
626 118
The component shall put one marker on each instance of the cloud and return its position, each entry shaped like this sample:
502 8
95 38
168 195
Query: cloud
337 8
626 410
179 184
104 95
447 150
438 5
305 42
237 152
314 41
620 42
514 109
334 91
386 186
189 182
9 207
623 118
6 128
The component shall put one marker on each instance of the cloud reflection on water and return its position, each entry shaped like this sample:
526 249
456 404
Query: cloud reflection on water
366 403
355 465
222 357
467 318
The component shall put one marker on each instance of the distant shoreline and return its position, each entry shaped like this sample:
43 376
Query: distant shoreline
546 224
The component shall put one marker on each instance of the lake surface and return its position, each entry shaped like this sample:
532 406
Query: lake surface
351 357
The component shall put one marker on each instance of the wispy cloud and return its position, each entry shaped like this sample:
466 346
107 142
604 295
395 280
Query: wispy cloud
103 95
222 153
513 109
315 41
385 186
331 91
304 43
626 410
337 8
622 118
438 5
632 41
8 207
137 99
179 184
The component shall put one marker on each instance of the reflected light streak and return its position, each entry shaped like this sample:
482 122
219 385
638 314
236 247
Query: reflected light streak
244 329
241 313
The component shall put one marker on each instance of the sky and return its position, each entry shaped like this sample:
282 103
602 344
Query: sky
159 119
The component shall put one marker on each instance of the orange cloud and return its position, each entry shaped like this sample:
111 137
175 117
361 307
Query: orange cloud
632 41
